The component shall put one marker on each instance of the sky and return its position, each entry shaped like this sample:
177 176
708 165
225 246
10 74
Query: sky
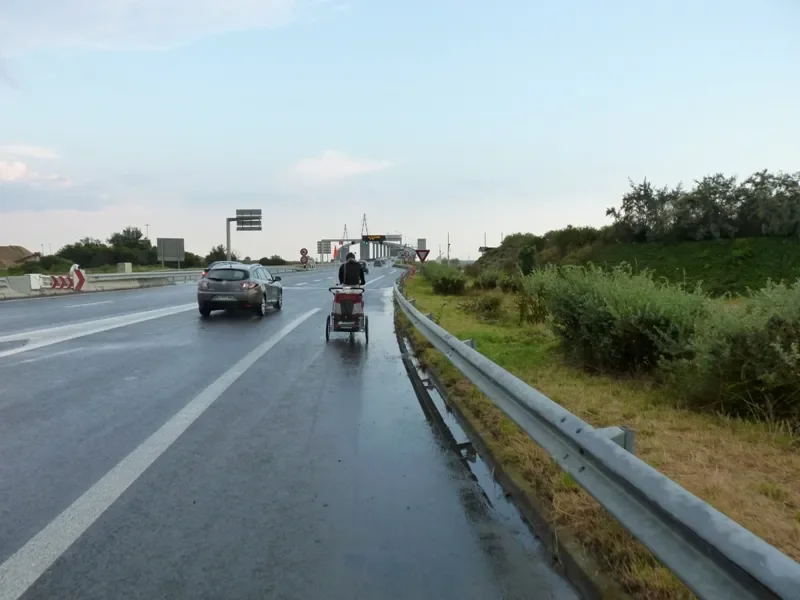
467 117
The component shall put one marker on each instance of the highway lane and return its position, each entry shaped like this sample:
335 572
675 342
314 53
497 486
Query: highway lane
312 474
33 313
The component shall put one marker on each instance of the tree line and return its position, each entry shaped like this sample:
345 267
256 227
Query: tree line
127 246
716 207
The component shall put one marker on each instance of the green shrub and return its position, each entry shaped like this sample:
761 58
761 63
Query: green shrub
531 299
472 269
486 306
55 263
746 360
487 280
509 283
619 320
445 280
272 261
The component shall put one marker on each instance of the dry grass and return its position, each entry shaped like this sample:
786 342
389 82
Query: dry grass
749 471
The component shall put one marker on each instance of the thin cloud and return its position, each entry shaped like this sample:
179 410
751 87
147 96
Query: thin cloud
138 24
14 169
25 151
334 166
45 195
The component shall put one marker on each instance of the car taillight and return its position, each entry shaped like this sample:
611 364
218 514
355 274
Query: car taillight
203 285
248 285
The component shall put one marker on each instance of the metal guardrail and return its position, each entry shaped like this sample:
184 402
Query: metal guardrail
180 274
715 557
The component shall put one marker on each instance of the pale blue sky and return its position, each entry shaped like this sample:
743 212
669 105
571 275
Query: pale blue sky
465 116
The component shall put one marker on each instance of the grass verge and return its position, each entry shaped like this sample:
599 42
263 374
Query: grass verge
749 471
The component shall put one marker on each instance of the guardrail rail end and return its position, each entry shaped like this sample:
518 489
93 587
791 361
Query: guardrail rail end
621 436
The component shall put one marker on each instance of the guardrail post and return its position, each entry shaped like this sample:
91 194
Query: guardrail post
471 343
622 436
413 303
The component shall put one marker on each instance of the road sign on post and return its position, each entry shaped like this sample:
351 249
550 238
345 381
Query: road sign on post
303 252
170 250
422 254
303 259
246 220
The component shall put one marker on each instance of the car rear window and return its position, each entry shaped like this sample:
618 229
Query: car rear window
228 274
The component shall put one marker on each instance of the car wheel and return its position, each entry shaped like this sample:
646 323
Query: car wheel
328 329
204 311
366 329
279 302
261 309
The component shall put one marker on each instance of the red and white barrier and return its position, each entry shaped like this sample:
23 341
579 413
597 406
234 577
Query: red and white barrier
74 281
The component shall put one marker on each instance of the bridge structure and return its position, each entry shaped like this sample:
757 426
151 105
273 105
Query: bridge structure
371 245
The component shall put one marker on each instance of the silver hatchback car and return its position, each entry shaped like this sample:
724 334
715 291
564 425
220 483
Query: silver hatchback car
237 285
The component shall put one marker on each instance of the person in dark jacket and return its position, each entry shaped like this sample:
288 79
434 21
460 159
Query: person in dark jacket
351 272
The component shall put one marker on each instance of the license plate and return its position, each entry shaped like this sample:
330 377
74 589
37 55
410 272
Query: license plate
223 299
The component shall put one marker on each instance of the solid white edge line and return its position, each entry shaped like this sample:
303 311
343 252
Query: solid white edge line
21 570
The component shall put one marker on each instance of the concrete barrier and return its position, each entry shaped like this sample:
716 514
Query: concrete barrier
6 293
35 285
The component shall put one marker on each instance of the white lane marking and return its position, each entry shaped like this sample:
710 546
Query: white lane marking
376 279
21 570
316 280
305 283
52 355
89 304
40 338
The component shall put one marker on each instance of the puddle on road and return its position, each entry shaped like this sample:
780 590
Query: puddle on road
504 509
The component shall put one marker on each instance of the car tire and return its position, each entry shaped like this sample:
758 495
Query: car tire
204 310
279 302
261 309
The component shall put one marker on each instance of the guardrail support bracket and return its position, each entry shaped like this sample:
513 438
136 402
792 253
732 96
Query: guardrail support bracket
622 436
471 343
467 451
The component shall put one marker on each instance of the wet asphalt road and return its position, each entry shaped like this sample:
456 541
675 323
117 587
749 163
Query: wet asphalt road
235 457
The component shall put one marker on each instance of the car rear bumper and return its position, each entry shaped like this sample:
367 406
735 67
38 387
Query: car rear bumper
238 299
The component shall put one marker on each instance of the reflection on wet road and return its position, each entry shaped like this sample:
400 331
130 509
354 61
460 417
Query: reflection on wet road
239 457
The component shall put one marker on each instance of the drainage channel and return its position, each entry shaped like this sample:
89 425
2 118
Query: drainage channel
481 472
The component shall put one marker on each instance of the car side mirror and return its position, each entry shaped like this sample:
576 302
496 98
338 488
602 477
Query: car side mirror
276 278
